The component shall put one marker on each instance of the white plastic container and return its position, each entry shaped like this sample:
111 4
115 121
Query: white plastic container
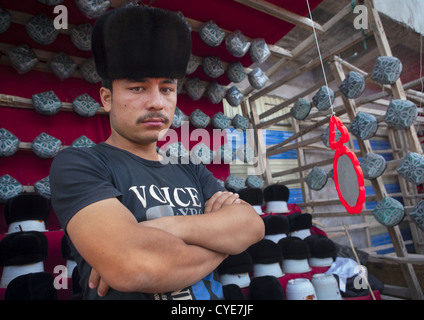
326 287
300 289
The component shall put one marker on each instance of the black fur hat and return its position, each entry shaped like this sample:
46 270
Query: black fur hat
252 196
265 252
276 225
133 42
276 192
234 264
266 288
321 246
300 221
32 286
26 206
294 248
21 248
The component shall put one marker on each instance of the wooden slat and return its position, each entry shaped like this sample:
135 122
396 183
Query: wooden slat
282 14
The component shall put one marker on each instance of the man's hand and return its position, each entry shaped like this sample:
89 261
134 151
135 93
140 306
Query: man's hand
95 281
220 200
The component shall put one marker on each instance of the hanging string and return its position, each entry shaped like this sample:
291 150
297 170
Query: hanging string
320 58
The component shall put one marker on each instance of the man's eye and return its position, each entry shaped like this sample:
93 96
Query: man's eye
136 89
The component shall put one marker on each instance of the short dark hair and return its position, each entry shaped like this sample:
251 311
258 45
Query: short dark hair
107 83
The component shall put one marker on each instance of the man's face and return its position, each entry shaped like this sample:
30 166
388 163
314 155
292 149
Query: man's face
141 110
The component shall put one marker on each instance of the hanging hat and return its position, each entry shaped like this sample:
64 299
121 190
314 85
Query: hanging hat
353 85
235 269
389 212
254 197
386 70
9 143
32 286
215 92
9 187
364 126
276 227
22 58
234 183
46 146
373 165
253 181
316 179
22 253
300 224
323 250
46 103
134 42
27 212
417 214
411 168
276 197
401 114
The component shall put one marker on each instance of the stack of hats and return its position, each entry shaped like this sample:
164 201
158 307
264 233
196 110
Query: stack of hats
276 197
27 212
234 273
267 278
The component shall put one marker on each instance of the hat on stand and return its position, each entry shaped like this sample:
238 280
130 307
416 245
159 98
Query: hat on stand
276 227
21 253
254 197
32 286
27 212
234 271
266 256
276 197
323 250
300 224
296 253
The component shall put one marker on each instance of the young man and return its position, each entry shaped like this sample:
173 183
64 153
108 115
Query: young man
140 228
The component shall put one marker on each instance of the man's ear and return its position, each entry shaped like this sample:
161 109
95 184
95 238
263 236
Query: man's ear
106 97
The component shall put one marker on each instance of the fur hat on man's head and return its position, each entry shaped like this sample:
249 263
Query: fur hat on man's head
135 42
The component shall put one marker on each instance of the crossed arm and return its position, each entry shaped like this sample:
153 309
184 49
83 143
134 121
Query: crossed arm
131 256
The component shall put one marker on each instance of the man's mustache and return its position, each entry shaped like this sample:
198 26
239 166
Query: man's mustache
152 115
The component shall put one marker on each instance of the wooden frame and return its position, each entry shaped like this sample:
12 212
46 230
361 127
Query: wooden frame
396 137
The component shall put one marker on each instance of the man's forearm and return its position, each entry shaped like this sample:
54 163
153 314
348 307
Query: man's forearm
230 230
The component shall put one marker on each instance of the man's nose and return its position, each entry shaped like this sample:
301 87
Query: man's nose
155 99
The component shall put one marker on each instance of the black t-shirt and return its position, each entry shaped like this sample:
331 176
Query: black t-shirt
149 189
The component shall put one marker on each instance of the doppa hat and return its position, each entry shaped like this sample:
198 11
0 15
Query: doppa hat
133 42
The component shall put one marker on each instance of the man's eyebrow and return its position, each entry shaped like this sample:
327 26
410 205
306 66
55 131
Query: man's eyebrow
144 80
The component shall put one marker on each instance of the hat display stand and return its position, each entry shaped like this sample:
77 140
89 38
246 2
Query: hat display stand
27 212
234 273
276 227
22 253
276 197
